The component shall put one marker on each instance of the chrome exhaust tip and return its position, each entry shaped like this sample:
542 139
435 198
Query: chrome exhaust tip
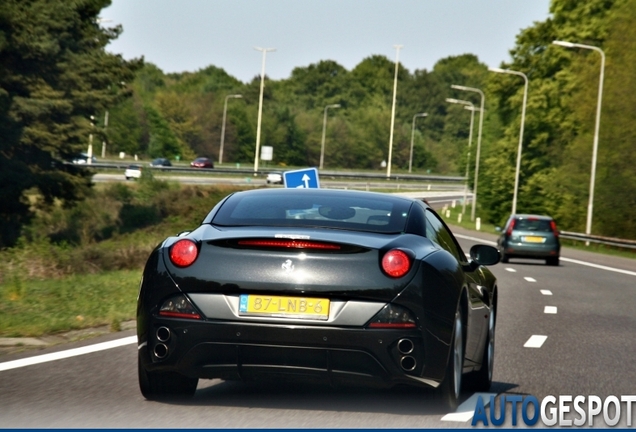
405 346
408 363
161 350
163 334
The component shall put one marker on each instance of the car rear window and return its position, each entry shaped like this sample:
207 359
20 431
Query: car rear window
532 225
296 209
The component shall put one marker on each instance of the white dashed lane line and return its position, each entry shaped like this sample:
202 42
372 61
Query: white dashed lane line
529 279
550 309
546 292
535 341
511 270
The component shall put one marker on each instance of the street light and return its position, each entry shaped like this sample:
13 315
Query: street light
397 56
481 123
412 136
234 96
104 141
260 106
469 106
523 117
324 131
590 206
89 159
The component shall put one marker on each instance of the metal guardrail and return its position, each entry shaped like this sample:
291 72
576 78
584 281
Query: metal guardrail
244 171
609 241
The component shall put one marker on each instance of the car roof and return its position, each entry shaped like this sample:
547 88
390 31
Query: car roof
532 216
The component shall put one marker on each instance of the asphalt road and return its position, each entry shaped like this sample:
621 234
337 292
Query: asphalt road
582 310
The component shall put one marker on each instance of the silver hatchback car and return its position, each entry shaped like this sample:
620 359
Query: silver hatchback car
530 236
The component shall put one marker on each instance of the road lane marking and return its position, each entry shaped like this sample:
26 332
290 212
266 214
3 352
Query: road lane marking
550 309
529 279
68 353
466 410
511 270
546 292
535 341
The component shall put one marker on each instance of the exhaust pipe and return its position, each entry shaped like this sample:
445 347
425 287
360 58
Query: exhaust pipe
408 363
161 350
405 346
163 334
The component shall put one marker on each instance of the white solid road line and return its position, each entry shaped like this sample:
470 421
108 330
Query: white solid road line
529 279
535 341
546 292
550 309
68 353
466 410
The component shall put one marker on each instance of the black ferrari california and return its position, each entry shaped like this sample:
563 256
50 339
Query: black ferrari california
316 284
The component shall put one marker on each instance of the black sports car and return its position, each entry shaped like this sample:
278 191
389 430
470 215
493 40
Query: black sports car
334 285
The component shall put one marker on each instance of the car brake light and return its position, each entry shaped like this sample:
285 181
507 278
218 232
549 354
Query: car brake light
294 244
178 307
396 263
183 253
554 228
393 317
510 227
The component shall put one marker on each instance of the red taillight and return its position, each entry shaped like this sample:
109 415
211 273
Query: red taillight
294 244
396 263
183 253
392 325
554 229
510 227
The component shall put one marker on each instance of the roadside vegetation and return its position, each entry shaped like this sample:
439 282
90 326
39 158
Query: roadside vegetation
80 266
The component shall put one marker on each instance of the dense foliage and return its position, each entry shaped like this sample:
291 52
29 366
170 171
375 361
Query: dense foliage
54 75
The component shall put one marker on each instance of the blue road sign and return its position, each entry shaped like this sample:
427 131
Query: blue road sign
302 179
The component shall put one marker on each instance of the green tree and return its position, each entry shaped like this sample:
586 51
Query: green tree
54 74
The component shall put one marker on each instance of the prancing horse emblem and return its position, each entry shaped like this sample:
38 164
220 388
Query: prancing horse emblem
288 266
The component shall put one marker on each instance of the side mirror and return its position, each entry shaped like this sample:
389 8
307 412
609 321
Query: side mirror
484 254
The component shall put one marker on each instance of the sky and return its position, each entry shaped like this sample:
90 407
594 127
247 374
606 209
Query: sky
188 35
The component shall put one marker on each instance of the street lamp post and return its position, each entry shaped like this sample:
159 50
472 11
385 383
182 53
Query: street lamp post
481 123
413 136
234 96
469 106
104 141
260 107
590 205
397 63
523 117
324 132
89 159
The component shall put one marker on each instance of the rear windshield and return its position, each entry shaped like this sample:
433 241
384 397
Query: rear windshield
297 209
533 225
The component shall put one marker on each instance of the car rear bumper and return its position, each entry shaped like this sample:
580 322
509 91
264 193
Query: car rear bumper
240 351
531 250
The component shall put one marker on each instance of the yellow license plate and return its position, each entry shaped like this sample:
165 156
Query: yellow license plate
286 307
534 239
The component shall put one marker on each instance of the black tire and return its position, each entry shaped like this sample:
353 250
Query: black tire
504 258
165 385
552 261
481 380
450 389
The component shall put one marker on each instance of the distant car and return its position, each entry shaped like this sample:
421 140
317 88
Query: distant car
202 162
82 158
274 178
159 162
530 236
317 284
133 172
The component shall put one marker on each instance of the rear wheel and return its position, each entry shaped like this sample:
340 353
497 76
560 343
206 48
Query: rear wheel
552 261
504 258
165 385
481 380
450 389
